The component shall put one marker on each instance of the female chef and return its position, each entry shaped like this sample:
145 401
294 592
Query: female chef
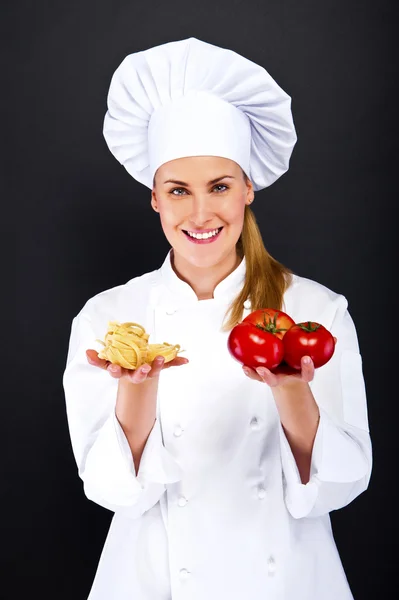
221 479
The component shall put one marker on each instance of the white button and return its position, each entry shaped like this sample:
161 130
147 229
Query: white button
271 565
178 431
247 304
254 423
182 501
184 574
261 493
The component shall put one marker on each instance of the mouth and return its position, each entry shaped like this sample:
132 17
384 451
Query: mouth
206 240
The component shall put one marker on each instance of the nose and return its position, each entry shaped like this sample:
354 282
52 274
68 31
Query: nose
201 213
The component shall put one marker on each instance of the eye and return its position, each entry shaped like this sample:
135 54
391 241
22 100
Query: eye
175 190
219 185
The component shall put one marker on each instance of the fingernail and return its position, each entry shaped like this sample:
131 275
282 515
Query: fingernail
112 368
261 371
246 370
306 360
146 369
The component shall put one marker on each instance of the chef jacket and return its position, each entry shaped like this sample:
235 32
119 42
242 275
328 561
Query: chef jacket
217 510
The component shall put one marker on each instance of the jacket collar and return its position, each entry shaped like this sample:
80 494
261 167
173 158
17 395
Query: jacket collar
226 289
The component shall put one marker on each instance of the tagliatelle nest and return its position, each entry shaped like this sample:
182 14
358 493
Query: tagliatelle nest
126 345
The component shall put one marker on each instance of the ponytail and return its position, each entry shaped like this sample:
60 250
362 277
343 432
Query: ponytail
266 278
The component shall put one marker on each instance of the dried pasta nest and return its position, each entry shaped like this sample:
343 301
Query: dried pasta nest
126 345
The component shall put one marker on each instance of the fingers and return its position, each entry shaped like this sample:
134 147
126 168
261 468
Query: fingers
251 373
146 371
139 375
176 362
93 359
156 366
134 375
116 371
267 376
307 369
283 373
152 371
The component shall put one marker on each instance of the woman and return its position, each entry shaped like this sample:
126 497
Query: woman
221 479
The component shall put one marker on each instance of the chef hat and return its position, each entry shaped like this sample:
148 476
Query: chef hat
191 98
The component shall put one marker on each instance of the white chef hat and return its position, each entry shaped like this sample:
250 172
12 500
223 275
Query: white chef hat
191 98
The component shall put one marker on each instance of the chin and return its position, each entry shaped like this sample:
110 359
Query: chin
206 259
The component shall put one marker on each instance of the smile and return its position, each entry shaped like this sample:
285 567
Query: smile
206 238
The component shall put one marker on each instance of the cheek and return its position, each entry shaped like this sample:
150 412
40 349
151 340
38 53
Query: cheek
168 217
233 213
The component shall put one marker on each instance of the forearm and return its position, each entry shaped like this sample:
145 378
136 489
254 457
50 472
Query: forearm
299 416
136 412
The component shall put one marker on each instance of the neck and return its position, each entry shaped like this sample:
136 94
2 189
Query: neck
203 280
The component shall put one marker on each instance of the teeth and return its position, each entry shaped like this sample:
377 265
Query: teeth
203 236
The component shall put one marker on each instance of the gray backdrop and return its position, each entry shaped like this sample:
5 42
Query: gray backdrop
82 223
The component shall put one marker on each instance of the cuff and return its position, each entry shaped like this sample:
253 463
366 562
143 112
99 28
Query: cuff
106 474
156 465
336 458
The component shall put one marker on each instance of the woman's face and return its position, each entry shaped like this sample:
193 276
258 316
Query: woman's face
201 193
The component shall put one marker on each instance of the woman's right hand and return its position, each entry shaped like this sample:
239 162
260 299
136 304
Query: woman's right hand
145 372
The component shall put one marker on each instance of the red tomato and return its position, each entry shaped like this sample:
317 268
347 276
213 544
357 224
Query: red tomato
308 339
255 347
272 320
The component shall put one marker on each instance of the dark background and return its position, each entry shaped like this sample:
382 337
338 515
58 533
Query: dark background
84 225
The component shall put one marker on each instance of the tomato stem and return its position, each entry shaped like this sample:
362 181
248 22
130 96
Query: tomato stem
270 326
308 326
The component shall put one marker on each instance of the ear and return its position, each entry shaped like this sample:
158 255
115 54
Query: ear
154 203
250 193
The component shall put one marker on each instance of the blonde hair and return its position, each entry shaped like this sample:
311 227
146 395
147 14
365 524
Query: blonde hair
266 278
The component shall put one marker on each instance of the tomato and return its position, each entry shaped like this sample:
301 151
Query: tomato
308 339
274 321
255 347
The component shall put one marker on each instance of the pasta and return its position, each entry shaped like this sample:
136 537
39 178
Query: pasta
126 345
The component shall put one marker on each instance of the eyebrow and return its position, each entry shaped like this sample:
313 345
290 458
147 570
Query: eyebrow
209 182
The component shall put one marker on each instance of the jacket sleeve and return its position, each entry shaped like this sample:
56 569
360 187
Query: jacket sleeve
101 450
341 461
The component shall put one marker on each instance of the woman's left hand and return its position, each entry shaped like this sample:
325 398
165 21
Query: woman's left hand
283 374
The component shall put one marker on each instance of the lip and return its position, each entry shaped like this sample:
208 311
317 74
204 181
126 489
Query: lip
207 241
203 230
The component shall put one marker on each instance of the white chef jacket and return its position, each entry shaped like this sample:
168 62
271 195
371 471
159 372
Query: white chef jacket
217 510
